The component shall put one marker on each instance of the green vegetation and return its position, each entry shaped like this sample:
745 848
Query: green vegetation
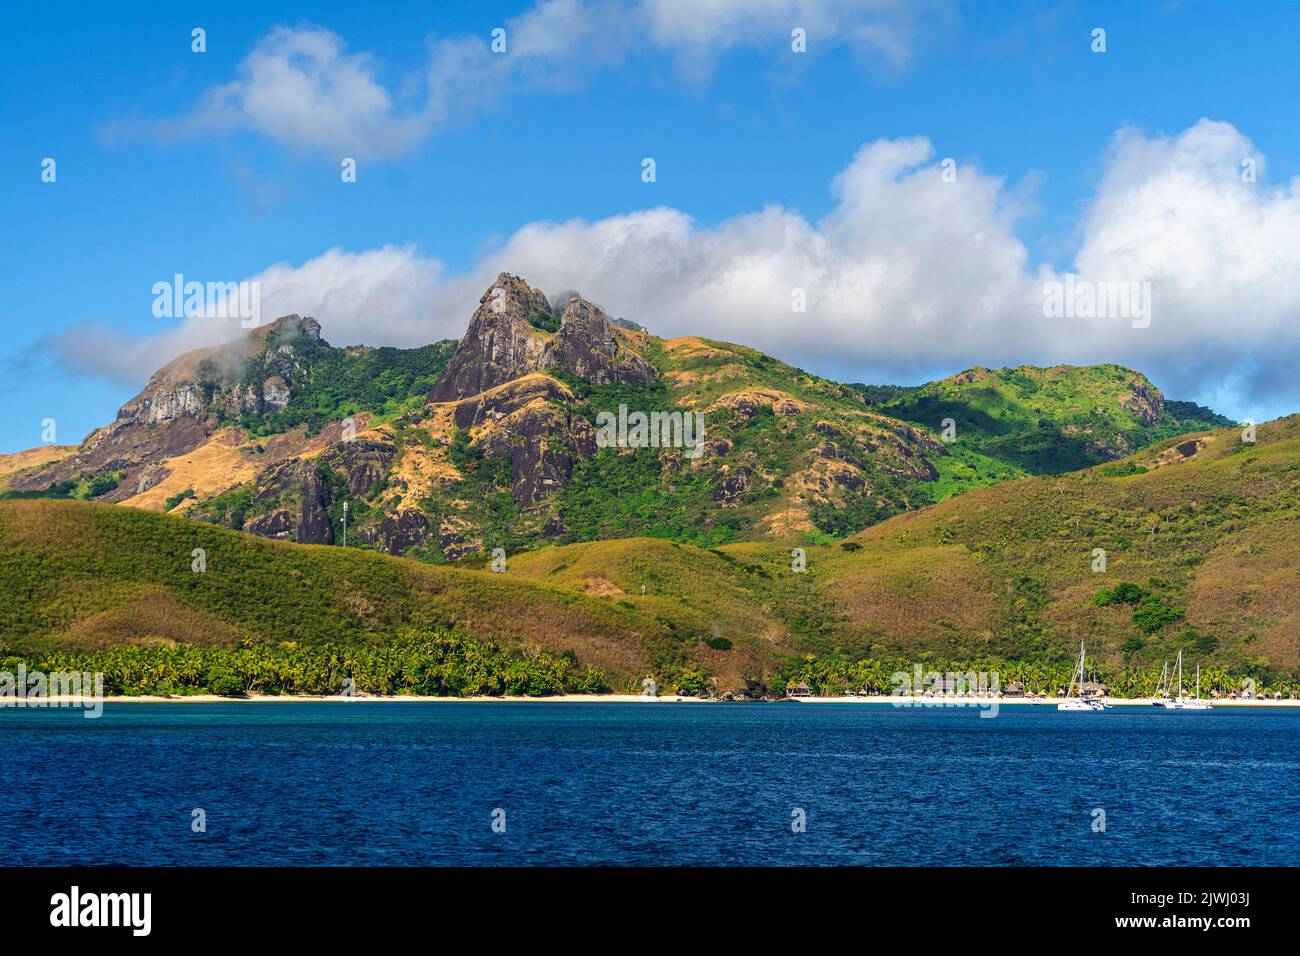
80 576
230 509
176 499
1124 593
339 382
1154 613
1001 575
85 486
433 663
975 547
1151 612
544 321
1123 470
1043 421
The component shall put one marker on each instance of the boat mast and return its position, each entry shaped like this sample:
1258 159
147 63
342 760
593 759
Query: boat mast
1180 675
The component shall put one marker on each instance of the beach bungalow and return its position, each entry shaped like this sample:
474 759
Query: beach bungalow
946 685
1093 688
1014 689
800 689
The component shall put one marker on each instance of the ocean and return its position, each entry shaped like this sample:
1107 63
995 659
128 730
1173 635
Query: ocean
521 783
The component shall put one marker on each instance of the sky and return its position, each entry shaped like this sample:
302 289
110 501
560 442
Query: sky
898 200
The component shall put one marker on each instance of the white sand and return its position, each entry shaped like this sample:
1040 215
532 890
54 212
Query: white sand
934 702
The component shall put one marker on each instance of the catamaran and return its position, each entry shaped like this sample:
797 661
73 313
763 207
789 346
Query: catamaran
1180 702
1080 703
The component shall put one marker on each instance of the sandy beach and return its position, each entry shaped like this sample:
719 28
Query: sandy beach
913 701
899 701
339 698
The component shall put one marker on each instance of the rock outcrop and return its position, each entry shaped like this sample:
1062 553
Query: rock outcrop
364 463
528 421
502 344
1144 402
183 404
588 347
303 499
515 411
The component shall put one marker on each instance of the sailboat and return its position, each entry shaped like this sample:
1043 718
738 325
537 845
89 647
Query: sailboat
1080 703
1161 697
1185 703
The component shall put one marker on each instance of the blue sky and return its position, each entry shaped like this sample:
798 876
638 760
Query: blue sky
149 183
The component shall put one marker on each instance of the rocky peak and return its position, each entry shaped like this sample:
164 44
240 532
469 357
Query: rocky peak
285 329
500 343
184 401
587 346
190 385
288 333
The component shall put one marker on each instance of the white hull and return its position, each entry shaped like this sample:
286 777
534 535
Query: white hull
1079 704
1180 702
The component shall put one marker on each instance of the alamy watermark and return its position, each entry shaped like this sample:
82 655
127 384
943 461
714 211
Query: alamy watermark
216 300
1085 299
653 430
55 689
922 688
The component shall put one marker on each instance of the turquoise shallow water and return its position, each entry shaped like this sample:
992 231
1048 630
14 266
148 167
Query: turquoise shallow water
385 783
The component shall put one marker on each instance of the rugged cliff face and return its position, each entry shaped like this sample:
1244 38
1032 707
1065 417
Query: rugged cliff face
590 348
500 344
183 404
507 339
530 422
302 500
454 449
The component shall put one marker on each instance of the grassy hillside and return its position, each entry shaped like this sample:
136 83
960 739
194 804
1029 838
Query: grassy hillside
1201 534
85 575
1034 421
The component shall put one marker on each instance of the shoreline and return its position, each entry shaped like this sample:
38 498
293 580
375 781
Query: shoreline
914 701
986 703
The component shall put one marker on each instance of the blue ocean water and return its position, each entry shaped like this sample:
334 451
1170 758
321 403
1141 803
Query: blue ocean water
388 783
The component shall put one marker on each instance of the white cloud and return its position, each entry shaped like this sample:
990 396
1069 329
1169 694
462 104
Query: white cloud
907 275
382 296
1223 257
702 29
302 88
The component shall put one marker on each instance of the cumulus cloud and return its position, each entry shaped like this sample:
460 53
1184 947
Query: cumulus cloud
301 87
908 274
381 296
1222 254
701 31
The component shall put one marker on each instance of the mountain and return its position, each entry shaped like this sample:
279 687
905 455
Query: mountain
1040 421
457 448
1201 534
